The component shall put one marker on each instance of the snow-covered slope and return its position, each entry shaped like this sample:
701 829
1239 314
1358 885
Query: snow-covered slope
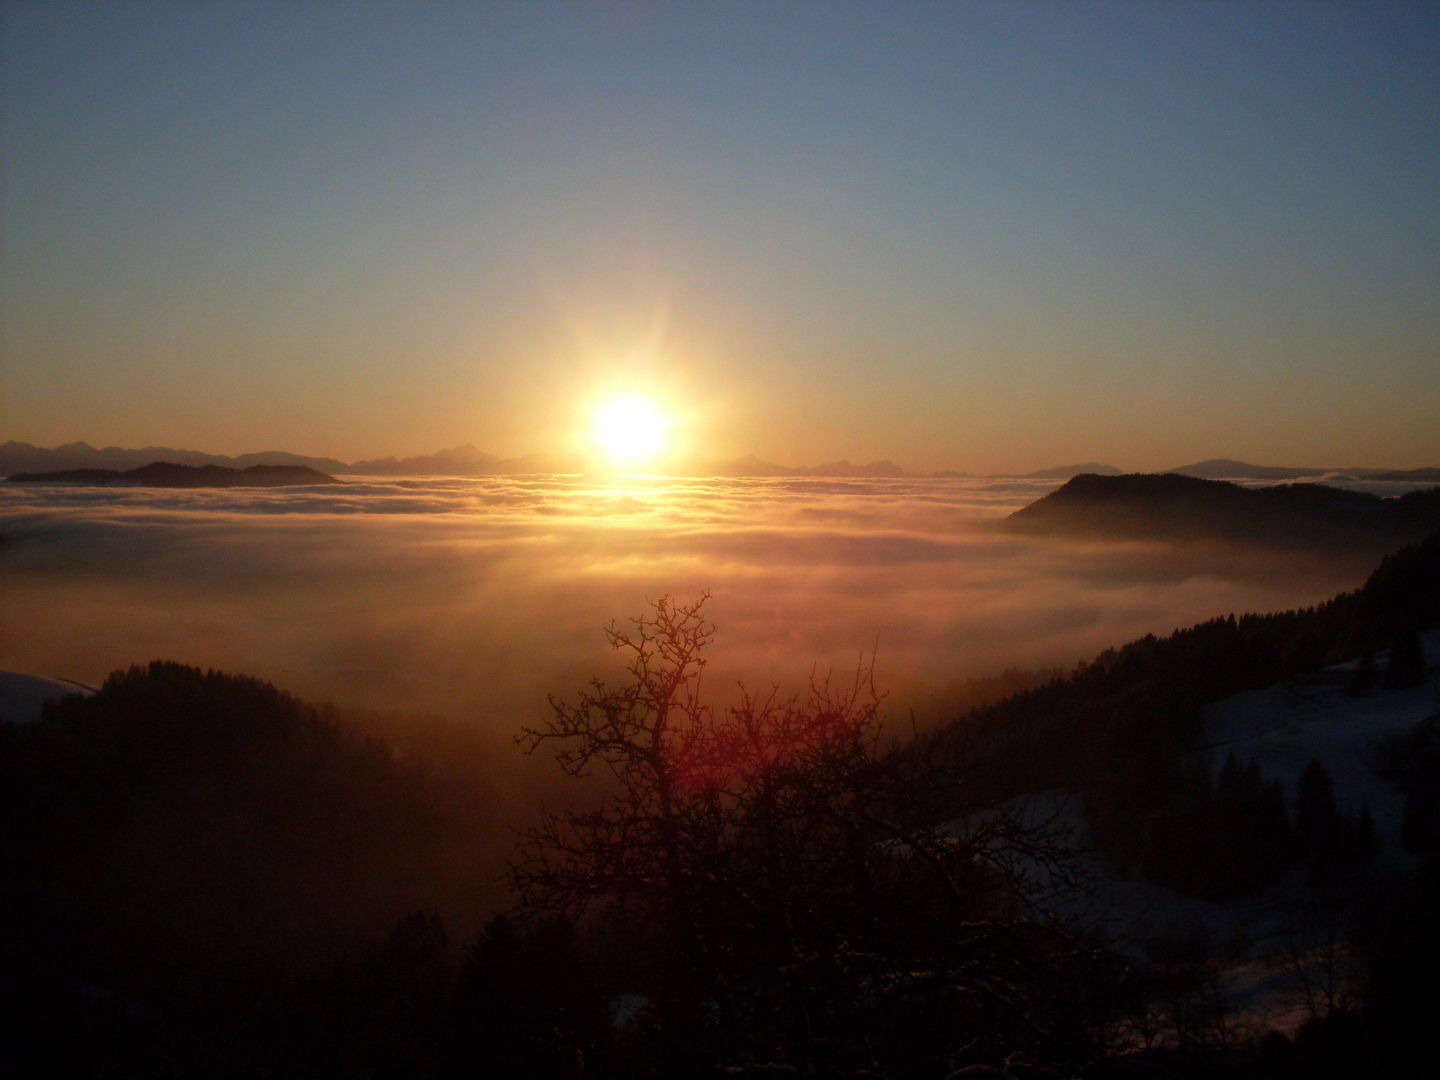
21 696
1282 728
1290 925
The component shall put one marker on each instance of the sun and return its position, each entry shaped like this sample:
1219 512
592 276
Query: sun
630 429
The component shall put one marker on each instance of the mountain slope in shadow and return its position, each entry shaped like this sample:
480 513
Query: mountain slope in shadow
1144 506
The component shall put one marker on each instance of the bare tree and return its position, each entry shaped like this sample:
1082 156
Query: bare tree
809 905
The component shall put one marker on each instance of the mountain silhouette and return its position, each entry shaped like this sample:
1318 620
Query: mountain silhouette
169 474
1230 469
20 457
1421 476
465 460
1171 506
1064 472
469 460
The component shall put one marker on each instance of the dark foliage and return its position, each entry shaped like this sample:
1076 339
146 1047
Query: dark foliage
204 876
785 893
528 1002
1121 726
1400 1011
1389 1031
1405 666
183 845
1413 764
1187 508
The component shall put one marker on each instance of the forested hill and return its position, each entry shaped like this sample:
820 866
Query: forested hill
1131 710
168 474
184 849
1170 506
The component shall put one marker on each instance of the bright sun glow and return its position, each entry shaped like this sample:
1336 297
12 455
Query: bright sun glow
629 429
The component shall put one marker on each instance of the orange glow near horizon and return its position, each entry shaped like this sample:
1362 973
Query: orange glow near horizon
631 430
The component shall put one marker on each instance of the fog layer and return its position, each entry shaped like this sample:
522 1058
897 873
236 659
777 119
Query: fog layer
474 598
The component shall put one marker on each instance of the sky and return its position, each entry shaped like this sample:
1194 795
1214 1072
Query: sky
984 236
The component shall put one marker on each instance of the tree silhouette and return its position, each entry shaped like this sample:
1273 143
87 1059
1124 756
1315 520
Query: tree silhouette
1405 666
526 1005
1317 821
787 894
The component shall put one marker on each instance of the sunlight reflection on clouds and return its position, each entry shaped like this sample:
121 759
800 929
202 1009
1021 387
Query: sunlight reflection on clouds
476 597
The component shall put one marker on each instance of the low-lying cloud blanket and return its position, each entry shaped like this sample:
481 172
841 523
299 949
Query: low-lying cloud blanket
476 597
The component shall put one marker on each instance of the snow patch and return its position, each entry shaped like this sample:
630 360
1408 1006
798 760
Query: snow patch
23 696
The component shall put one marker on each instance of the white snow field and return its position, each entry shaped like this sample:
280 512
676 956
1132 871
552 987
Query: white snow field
1289 933
21 696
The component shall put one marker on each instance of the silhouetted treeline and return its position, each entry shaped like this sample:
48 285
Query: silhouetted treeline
782 898
184 848
1123 729
1118 725
1188 508
1411 762
205 876
1226 835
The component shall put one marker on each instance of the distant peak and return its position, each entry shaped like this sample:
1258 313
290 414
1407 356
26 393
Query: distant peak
1230 469
1061 472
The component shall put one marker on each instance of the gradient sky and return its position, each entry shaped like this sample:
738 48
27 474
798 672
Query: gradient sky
974 236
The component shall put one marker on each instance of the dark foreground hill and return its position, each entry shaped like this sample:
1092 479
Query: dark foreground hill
189 858
1144 506
168 474
1065 472
1141 699
197 869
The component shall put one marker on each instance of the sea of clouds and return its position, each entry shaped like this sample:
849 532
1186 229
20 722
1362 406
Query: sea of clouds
475 598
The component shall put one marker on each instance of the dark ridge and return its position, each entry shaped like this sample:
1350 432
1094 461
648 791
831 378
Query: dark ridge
464 460
168 474
1065 472
1230 469
1141 700
1418 476
1171 506
17 457
69 476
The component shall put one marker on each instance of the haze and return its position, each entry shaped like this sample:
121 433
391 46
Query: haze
475 598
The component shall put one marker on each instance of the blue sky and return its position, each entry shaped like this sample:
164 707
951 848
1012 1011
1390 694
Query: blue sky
963 235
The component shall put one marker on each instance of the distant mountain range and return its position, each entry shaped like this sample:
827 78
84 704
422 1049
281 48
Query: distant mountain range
16 457
1175 506
1064 472
1229 469
168 474
468 460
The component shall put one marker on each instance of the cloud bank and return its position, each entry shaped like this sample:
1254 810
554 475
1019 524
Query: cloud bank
476 598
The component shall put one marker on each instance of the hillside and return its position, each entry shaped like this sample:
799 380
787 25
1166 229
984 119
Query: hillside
200 866
1065 472
1230 469
1117 722
1146 506
23 697
194 859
